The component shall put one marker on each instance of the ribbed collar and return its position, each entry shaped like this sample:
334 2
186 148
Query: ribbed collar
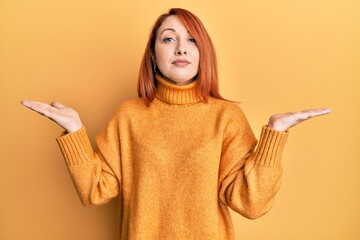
176 94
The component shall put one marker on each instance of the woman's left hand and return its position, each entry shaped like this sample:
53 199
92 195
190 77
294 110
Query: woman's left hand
282 122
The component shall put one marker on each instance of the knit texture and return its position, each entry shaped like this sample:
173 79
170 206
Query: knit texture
177 166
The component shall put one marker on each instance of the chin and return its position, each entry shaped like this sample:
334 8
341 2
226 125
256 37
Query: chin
182 77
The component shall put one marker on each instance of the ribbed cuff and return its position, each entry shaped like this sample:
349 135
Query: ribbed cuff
270 147
75 147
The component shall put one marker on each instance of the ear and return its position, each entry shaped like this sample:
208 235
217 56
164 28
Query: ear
153 58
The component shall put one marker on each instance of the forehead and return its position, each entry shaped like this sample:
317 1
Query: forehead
172 23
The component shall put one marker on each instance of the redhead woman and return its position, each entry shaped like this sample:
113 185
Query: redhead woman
179 156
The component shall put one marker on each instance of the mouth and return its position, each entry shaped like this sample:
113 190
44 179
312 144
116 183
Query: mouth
181 62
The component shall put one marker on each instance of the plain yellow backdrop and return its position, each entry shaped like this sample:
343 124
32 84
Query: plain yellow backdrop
274 56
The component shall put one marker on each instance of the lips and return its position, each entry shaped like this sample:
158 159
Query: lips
181 62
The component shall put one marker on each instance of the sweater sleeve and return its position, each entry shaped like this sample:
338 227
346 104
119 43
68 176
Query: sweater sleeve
249 178
96 174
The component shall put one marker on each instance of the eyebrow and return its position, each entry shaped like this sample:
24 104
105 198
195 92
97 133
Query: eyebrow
170 29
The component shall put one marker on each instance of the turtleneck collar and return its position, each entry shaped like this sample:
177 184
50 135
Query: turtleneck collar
176 94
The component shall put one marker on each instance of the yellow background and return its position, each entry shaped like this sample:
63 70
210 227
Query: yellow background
274 56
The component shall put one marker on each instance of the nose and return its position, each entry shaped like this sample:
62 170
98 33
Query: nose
180 49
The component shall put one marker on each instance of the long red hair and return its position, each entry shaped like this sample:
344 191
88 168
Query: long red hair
207 78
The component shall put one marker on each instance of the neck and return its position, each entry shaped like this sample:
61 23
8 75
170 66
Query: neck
176 94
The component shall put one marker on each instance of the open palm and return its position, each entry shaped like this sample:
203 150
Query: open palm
66 117
282 122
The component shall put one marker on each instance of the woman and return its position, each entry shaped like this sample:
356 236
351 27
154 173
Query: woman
179 155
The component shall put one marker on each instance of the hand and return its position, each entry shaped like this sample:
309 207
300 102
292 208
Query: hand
282 122
66 117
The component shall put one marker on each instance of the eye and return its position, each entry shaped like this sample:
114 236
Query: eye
168 39
192 40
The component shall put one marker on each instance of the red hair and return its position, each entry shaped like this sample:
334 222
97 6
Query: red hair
207 78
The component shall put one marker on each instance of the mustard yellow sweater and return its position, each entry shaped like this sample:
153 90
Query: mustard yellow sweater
177 166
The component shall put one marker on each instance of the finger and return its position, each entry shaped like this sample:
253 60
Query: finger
30 104
316 112
34 105
39 107
58 105
325 111
26 103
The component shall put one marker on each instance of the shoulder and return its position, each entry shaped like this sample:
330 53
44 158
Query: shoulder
234 122
132 105
227 108
231 117
126 109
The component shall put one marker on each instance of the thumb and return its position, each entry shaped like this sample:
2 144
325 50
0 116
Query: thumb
58 105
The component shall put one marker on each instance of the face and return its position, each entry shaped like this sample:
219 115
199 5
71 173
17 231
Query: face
176 53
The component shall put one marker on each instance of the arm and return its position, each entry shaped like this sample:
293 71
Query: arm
96 174
250 179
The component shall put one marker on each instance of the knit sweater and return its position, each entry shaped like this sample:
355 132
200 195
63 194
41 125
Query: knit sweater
177 166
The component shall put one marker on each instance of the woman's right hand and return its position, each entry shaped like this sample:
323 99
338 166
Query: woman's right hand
66 117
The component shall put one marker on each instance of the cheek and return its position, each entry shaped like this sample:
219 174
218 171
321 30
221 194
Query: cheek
195 53
161 55
197 58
